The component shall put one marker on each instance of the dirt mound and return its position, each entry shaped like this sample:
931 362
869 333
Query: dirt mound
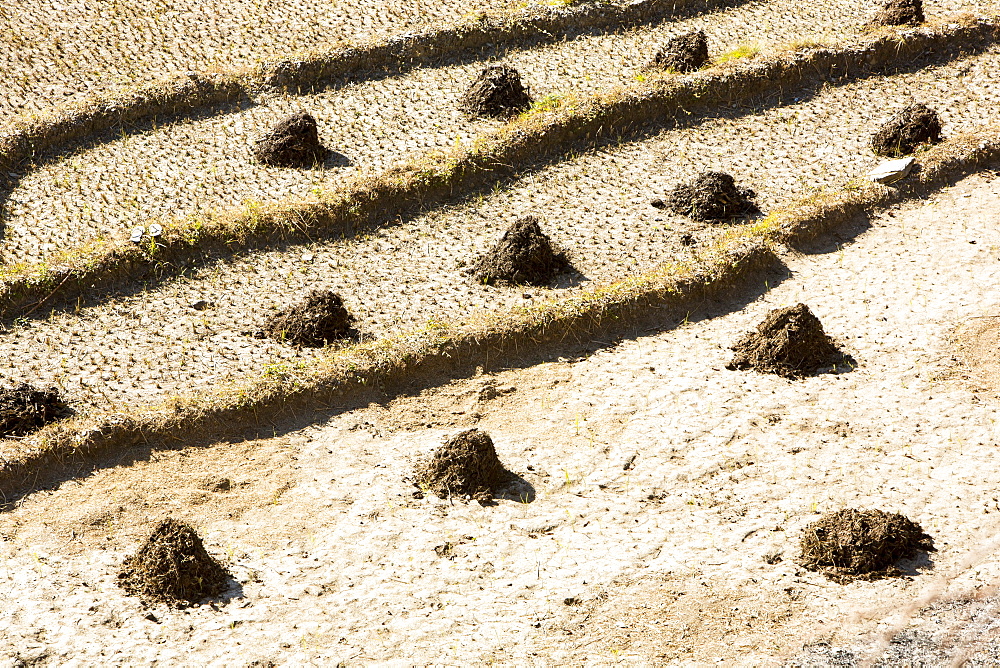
684 53
497 92
712 196
313 323
294 142
900 13
789 342
915 125
172 567
861 544
523 256
23 409
466 465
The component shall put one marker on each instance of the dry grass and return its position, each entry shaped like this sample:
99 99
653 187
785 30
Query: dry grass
547 129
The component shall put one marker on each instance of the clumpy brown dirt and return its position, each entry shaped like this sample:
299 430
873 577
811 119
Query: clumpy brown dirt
173 567
861 544
915 125
23 409
523 256
900 13
496 93
684 53
294 142
789 342
318 320
711 197
466 466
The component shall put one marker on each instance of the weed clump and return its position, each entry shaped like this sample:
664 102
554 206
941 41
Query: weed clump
172 567
294 142
683 53
496 93
861 544
900 13
24 408
465 466
915 125
318 320
523 256
711 197
789 342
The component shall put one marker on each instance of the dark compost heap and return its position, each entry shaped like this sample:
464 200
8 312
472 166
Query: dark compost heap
24 408
523 256
313 323
497 92
465 466
789 342
294 142
684 53
711 197
861 544
915 125
173 567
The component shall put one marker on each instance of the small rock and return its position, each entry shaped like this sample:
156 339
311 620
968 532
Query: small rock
891 170
200 305
214 483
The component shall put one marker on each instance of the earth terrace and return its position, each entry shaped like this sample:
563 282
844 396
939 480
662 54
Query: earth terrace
543 132
65 448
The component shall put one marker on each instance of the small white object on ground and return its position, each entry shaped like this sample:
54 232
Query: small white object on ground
891 171
155 230
137 233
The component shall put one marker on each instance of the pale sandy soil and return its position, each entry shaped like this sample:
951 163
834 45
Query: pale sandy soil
596 206
660 481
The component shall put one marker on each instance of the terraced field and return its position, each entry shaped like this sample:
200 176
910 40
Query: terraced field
123 116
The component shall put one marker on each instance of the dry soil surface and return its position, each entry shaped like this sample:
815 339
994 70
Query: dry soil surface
190 167
653 484
595 205
54 52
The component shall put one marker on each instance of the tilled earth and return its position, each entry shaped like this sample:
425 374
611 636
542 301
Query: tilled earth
192 166
659 497
596 206
658 518
53 53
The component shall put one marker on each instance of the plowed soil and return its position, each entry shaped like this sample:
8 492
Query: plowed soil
664 487
654 501
146 346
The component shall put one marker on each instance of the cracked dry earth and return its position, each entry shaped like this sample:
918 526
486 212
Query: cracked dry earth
153 343
654 483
